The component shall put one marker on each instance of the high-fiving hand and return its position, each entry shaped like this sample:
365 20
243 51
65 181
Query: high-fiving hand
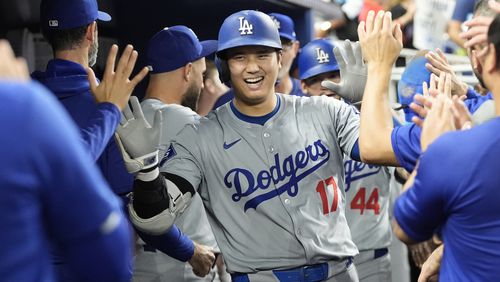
116 87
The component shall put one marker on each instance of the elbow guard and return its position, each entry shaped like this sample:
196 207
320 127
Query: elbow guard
155 205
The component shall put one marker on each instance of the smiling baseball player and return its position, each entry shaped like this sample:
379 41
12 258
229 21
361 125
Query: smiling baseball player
272 184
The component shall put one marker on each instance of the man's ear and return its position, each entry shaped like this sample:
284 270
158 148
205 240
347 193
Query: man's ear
476 64
187 71
280 57
491 58
303 87
209 85
90 33
296 47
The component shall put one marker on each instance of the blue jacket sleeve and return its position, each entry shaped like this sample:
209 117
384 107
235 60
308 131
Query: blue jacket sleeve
83 215
421 209
475 100
100 128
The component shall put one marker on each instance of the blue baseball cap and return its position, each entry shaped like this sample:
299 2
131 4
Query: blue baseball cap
317 57
285 26
68 14
411 83
176 46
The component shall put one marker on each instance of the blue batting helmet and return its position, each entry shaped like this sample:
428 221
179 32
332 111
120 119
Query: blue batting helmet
248 27
411 83
316 58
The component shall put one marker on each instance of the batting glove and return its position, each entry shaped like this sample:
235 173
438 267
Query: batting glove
353 73
137 139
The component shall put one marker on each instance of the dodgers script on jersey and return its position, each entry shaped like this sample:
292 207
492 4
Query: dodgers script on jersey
193 221
368 193
274 193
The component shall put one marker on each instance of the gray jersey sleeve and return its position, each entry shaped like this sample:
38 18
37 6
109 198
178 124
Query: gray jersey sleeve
345 122
183 162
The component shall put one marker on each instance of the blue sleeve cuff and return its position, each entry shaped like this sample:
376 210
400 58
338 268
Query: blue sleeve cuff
173 243
355 155
113 109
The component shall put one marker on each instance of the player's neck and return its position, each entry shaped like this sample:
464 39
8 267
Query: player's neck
163 89
256 109
285 86
79 56
495 92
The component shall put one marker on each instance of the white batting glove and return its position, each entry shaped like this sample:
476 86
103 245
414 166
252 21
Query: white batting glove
353 73
137 139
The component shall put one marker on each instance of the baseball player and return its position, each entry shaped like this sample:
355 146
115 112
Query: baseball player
272 184
177 99
45 201
366 186
290 48
68 76
317 63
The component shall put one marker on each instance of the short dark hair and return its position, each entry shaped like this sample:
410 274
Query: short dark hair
65 39
494 36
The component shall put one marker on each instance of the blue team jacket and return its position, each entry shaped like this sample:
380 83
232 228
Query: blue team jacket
97 123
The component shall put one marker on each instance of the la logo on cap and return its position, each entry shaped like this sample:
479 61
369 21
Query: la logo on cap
322 56
276 22
53 23
245 26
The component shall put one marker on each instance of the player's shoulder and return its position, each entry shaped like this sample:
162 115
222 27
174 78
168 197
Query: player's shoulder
308 101
457 146
170 112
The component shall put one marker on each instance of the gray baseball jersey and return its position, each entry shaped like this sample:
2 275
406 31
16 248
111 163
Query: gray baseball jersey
367 209
274 192
193 222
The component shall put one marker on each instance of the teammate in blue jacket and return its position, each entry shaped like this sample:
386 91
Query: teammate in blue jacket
379 141
455 189
71 29
51 194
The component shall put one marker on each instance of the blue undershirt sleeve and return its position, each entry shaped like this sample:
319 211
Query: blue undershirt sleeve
355 155
173 243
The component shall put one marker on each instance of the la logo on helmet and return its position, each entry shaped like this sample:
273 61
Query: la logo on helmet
321 56
245 26
276 22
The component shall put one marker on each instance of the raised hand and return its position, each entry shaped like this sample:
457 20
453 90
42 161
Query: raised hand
352 73
461 114
116 87
137 139
381 41
477 32
438 64
12 68
439 121
423 103
202 260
